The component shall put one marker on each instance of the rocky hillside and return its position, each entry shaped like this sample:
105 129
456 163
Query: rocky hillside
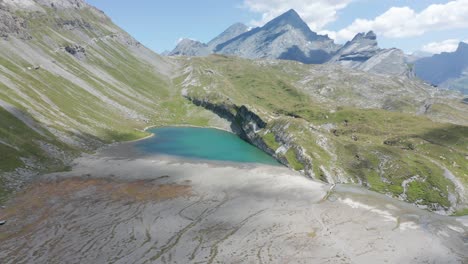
363 53
447 70
360 49
343 126
71 80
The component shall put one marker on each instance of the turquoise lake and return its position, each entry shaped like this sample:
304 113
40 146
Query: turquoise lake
203 143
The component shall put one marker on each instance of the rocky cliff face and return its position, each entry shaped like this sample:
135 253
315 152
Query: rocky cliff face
448 69
252 128
361 48
388 62
363 53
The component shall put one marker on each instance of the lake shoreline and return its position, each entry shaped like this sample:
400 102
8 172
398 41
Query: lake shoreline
236 211
196 144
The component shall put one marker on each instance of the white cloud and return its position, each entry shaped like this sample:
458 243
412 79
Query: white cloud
316 13
400 22
448 45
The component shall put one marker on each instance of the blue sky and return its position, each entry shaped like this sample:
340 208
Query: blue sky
429 25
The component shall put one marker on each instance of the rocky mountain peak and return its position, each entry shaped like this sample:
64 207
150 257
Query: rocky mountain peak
371 35
290 15
190 47
187 41
288 37
363 53
365 36
462 47
362 47
290 18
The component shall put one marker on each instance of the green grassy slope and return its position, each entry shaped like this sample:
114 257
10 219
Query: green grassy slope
394 152
109 89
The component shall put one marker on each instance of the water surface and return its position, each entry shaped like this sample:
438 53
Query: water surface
203 143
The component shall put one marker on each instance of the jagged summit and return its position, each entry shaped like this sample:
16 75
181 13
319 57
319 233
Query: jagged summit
363 53
369 35
290 17
362 47
286 37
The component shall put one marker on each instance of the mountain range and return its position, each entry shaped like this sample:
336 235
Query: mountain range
288 37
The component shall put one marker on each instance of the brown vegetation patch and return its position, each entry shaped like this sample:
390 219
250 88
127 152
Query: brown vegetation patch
35 204
40 193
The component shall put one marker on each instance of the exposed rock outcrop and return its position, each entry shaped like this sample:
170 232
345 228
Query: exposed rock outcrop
12 25
361 48
363 53
388 62
76 50
70 24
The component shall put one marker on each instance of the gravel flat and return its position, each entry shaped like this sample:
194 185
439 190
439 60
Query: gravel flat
114 208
